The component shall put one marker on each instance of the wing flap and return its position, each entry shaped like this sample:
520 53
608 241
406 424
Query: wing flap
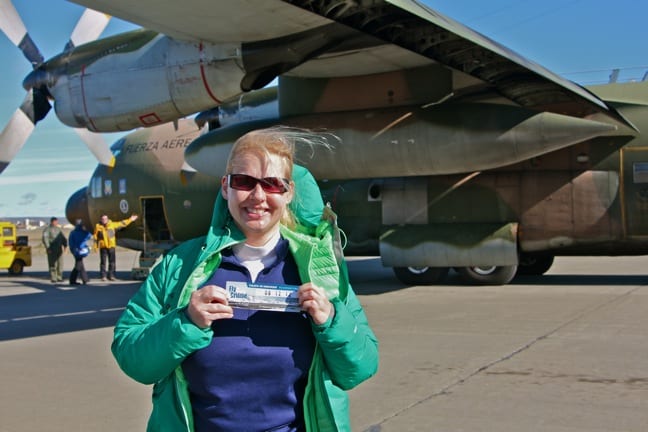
410 34
417 28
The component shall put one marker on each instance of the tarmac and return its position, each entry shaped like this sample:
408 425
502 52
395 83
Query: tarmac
564 352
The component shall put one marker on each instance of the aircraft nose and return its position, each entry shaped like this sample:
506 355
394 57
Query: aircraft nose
77 208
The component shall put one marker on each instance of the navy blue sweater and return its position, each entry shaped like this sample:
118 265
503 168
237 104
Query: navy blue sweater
253 374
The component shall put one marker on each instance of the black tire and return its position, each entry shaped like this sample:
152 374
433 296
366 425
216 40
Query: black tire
421 275
534 265
487 275
17 267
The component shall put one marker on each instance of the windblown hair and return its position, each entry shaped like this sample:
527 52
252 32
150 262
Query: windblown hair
263 143
279 141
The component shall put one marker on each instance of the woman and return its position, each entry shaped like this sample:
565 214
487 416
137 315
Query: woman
218 367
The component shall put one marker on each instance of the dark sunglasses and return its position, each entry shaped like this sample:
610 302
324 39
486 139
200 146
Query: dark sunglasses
244 182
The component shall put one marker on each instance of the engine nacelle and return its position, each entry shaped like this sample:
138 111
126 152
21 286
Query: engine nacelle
143 78
154 80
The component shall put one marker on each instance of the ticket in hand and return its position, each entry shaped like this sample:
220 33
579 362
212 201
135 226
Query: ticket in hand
273 297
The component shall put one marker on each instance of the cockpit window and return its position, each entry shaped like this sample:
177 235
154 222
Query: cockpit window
95 187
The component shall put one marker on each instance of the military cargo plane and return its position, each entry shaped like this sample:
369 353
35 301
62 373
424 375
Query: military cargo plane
587 199
455 152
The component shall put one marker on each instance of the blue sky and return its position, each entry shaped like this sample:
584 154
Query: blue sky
582 40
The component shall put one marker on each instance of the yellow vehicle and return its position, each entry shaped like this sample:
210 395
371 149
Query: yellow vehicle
15 252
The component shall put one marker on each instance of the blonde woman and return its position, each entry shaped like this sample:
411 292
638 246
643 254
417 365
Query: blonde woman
219 366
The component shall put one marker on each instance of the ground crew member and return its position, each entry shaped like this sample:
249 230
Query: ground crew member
55 244
106 240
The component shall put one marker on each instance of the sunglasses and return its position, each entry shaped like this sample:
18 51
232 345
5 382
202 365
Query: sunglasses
275 185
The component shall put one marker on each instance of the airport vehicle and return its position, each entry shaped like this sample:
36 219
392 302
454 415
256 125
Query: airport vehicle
455 152
15 252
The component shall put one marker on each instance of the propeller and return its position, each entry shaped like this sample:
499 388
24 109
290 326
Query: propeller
36 104
97 146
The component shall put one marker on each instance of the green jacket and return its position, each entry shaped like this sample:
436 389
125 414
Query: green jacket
154 335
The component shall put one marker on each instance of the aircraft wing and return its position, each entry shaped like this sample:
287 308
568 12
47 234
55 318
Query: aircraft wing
399 34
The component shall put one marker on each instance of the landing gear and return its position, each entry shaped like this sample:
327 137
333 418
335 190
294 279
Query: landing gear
421 275
487 275
477 275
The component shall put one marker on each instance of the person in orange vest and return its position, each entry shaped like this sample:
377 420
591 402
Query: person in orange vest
105 236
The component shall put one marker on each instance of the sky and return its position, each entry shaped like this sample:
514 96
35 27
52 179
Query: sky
582 40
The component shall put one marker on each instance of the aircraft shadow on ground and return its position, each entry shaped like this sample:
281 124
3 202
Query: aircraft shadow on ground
576 279
61 308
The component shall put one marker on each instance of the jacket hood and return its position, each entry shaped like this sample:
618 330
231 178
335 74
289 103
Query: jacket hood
222 229
307 207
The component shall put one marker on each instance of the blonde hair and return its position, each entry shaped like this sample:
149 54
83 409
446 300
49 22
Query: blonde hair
263 143
278 141
281 141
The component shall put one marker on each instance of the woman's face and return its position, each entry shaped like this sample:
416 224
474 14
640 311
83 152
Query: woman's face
257 213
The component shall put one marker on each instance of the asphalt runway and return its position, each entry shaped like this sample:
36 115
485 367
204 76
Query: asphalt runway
564 352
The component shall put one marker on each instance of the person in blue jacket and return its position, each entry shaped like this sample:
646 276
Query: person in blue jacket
217 364
78 243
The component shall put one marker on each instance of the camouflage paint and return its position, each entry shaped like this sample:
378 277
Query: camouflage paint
450 168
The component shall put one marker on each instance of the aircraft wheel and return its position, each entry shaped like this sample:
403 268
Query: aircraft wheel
421 275
16 267
534 265
487 275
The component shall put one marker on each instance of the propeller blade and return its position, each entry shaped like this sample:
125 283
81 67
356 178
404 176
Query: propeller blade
15 134
39 107
36 104
13 27
90 26
97 145
187 173
188 168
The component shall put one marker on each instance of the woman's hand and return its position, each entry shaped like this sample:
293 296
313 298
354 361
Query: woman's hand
207 305
313 301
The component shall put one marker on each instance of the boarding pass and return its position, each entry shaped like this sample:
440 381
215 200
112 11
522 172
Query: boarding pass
273 297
